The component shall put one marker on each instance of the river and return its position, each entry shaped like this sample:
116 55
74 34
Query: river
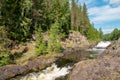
62 67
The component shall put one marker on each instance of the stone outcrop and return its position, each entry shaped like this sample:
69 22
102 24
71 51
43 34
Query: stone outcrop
105 67
112 51
75 39
9 71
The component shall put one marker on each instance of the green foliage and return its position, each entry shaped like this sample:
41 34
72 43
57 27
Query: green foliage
4 42
93 34
113 35
106 37
5 58
20 19
25 27
60 14
15 21
79 18
54 39
40 43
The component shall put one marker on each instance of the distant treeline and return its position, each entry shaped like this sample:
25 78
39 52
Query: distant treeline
114 35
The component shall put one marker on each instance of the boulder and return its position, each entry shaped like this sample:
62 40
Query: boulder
9 71
105 67
75 39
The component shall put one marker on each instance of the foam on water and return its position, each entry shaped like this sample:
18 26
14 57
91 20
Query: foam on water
103 44
100 47
50 73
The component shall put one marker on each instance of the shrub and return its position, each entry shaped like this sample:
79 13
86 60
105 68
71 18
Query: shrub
5 58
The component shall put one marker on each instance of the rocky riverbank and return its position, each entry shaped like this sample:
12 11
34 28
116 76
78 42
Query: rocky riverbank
75 43
9 71
75 39
105 67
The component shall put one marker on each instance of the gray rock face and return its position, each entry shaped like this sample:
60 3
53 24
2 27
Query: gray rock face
112 51
75 39
105 67
9 71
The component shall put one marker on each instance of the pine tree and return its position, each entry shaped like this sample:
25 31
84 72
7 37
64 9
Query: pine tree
38 13
12 13
73 14
93 34
54 39
85 20
40 43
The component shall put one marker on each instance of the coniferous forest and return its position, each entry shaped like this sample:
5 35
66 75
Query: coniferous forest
22 20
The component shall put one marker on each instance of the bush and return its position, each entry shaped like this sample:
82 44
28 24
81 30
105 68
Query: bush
54 39
40 43
5 58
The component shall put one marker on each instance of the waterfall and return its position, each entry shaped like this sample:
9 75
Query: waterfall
103 44
100 47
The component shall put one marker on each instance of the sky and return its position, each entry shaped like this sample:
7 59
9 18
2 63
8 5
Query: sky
104 14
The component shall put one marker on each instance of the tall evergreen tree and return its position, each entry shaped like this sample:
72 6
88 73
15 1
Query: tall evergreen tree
40 44
13 17
54 39
85 20
38 13
73 14
93 34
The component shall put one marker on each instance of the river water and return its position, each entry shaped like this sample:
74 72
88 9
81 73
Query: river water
62 67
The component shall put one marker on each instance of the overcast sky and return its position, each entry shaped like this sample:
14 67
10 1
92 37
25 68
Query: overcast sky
104 14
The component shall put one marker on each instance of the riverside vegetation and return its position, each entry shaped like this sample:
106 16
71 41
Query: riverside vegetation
30 21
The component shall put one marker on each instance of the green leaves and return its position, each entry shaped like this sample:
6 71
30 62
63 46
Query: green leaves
93 34
4 42
5 58
113 35
40 44
54 39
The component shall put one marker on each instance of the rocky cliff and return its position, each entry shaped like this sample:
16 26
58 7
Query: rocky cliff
75 39
105 67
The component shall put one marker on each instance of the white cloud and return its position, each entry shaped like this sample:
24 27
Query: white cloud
104 13
114 2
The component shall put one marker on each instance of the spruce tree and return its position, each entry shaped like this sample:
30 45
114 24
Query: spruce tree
85 20
40 44
54 39
12 13
39 13
73 14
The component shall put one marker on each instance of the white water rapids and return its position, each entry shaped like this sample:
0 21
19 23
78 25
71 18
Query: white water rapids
103 44
53 72
100 47
50 73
